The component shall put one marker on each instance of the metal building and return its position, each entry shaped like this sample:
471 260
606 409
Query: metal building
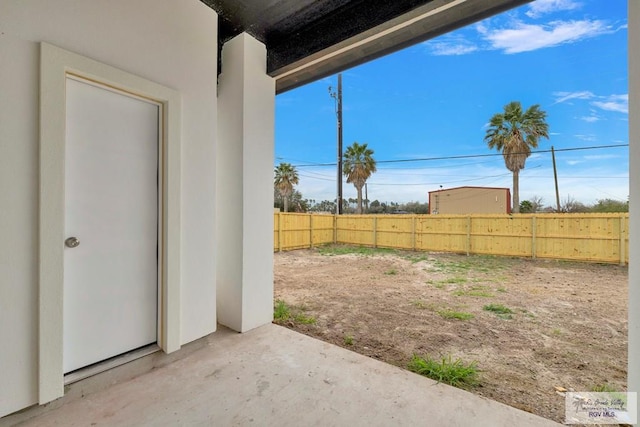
470 200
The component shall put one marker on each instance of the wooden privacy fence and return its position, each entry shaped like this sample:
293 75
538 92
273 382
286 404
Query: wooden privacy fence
584 237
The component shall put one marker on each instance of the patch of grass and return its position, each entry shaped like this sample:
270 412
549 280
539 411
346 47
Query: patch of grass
391 272
436 284
418 304
305 320
333 250
281 312
556 332
505 316
441 284
603 388
348 340
446 370
499 310
477 263
452 314
474 291
416 258
453 280
501 289
422 305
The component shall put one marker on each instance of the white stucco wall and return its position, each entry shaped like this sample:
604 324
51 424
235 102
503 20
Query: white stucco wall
174 43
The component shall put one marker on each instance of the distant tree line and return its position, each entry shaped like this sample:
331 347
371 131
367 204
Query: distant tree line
571 205
296 203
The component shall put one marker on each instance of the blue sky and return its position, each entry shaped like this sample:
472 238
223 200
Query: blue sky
435 99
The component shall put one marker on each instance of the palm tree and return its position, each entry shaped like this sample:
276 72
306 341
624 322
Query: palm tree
358 166
515 133
285 178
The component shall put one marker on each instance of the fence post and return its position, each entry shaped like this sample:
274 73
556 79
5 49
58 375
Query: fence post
468 234
375 231
311 231
413 232
533 237
622 241
279 232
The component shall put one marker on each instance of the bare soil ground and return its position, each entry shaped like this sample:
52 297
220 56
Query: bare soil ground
568 327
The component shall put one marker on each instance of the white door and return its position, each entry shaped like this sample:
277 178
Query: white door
111 208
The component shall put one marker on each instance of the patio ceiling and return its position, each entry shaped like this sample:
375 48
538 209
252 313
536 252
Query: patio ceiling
310 39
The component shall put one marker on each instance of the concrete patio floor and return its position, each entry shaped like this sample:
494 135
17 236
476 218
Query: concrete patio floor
273 376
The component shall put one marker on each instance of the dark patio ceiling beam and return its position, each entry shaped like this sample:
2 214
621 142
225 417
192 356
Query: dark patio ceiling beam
310 39
423 23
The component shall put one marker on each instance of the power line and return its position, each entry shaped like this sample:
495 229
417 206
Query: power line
321 177
473 156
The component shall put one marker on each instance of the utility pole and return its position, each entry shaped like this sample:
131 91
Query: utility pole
555 178
338 99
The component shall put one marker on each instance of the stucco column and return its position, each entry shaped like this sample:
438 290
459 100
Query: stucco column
244 187
633 380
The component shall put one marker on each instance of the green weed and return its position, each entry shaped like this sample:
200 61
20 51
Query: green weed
453 281
446 370
418 304
499 310
452 314
436 284
603 388
348 340
416 258
474 291
306 320
282 312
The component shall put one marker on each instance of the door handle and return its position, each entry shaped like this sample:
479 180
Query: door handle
72 242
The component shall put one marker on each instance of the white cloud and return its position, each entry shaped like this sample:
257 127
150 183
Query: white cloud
590 119
566 96
451 44
589 138
526 37
444 49
541 7
618 103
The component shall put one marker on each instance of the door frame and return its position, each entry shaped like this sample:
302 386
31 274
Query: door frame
56 65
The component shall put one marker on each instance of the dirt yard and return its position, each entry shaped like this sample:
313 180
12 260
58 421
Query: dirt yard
568 326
